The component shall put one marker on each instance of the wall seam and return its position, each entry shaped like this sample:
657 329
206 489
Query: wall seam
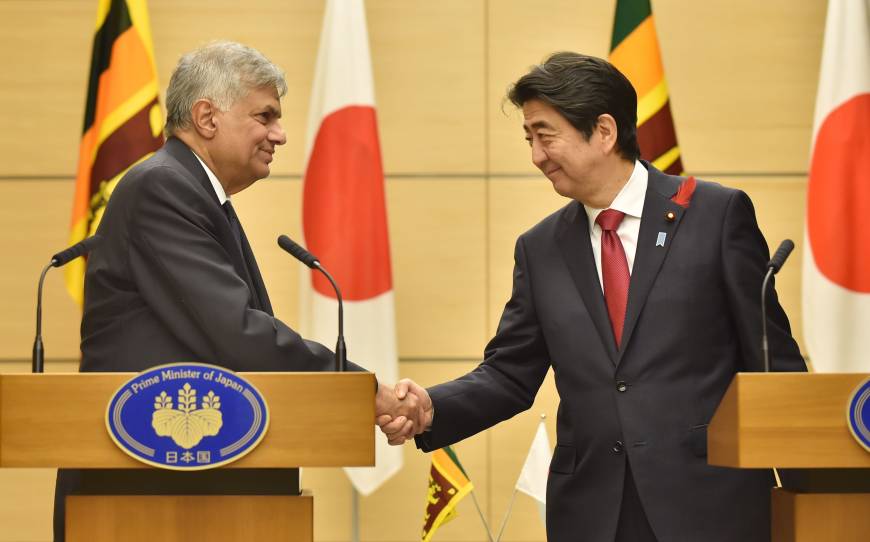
487 164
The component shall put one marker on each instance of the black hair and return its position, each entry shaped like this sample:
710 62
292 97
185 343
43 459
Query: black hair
582 88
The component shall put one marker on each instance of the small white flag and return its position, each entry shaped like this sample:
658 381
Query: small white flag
533 477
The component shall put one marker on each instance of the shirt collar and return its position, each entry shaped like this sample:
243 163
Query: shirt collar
215 183
630 199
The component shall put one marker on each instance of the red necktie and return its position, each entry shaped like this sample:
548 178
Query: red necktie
614 270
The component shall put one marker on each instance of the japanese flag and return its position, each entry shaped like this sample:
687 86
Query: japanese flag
344 215
836 270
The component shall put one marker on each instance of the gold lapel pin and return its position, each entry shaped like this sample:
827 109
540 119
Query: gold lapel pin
670 216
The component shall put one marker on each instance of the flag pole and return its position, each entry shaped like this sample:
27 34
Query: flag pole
480 513
354 514
506 515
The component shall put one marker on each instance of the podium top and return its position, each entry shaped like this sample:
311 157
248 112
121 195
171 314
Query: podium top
58 420
788 420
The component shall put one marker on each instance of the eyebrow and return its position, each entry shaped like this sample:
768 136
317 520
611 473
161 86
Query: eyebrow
541 124
272 111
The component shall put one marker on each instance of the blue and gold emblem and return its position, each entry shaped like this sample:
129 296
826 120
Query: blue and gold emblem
858 414
187 416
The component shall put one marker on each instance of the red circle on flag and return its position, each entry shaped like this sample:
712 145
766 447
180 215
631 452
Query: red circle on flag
344 212
838 196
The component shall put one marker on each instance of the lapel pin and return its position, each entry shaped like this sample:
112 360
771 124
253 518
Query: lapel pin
670 216
660 240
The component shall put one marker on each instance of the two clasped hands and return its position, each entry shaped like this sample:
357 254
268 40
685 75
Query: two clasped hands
403 412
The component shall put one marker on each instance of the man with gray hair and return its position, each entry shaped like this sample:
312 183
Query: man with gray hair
174 278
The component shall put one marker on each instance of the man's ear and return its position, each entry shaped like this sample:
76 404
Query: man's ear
607 132
202 116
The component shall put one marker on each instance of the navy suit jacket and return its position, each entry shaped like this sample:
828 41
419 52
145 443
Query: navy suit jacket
693 320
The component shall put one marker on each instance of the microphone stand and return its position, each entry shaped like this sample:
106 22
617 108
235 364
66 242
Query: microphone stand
38 360
311 261
340 347
773 266
58 260
765 352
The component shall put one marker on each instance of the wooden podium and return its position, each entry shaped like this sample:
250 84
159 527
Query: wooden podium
316 420
798 421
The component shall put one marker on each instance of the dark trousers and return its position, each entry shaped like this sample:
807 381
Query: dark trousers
633 525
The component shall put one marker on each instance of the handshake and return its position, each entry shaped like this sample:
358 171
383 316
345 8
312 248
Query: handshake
403 412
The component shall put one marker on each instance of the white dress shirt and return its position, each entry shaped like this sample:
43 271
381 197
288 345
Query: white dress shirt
629 201
215 183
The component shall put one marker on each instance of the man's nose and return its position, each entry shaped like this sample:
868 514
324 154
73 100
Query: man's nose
539 157
277 135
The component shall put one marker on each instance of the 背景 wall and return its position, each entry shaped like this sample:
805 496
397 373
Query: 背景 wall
460 184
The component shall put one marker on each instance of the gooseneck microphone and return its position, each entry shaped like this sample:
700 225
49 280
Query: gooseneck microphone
58 260
773 267
311 261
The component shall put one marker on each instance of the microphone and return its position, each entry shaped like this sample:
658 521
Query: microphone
781 254
79 249
58 260
298 252
311 261
773 267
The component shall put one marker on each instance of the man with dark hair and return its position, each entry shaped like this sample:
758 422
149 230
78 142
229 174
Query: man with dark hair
581 89
642 294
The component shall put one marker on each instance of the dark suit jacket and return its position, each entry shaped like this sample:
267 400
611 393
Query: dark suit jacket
168 283
693 320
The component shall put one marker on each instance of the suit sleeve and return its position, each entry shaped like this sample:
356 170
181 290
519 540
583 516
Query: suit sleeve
744 255
515 364
186 276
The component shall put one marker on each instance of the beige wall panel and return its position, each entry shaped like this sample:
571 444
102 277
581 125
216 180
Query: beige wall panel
442 74
515 206
743 79
739 104
266 210
286 32
44 51
417 134
522 34
395 512
436 230
428 60
332 503
26 504
35 215
438 239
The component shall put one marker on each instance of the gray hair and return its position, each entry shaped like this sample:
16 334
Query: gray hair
220 71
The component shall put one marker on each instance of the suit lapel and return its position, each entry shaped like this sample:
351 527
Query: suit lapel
573 241
258 287
650 255
242 256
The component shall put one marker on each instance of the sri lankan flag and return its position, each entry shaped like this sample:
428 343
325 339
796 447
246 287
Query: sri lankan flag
634 50
448 484
123 121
